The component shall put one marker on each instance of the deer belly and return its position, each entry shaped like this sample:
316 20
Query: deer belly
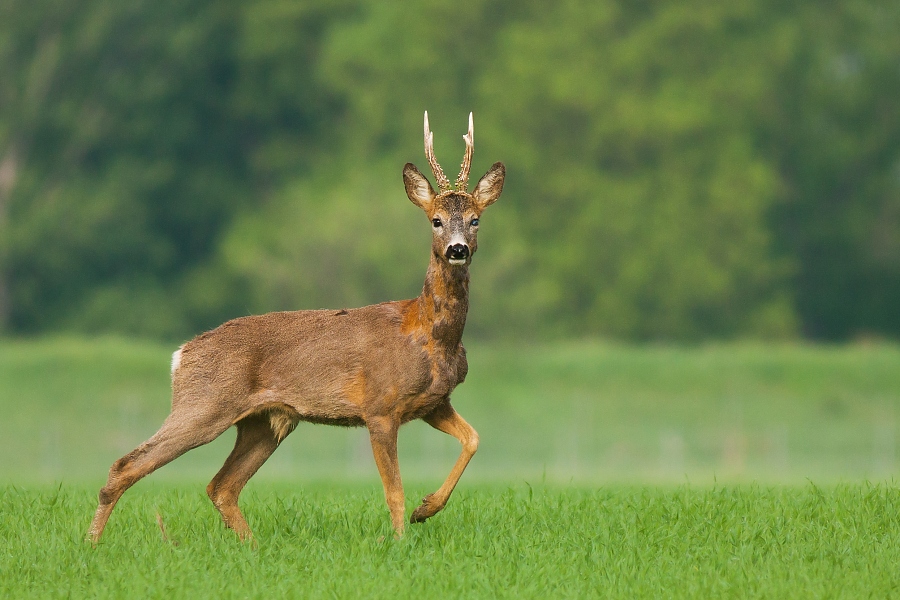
330 410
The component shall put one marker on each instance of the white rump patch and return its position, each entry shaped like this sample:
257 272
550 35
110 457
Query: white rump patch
176 359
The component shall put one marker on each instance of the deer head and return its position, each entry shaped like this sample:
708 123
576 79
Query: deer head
454 213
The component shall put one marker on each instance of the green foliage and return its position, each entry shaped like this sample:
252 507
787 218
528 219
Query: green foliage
651 198
836 137
520 542
676 170
128 159
328 248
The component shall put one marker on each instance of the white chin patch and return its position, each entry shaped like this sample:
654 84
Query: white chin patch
457 261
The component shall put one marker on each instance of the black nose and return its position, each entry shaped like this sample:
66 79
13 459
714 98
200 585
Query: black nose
457 252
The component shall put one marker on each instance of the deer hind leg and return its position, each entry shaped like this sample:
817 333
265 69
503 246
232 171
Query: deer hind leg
176 436
258 436
383 435
445 419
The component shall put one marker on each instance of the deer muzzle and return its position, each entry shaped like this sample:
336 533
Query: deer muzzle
457 254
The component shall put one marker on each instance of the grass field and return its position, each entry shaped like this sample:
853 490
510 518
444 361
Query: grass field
334 542
604 471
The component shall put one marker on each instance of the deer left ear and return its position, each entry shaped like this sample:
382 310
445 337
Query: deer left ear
418 188
489 186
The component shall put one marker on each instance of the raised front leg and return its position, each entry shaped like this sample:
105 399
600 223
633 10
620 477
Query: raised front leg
383 434
445 419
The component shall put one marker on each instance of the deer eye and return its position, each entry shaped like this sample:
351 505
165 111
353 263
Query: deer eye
474 223
436 223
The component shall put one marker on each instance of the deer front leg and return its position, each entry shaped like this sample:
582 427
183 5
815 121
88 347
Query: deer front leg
383 435
445 419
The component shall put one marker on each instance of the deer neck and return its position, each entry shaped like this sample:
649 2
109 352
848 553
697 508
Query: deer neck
444 303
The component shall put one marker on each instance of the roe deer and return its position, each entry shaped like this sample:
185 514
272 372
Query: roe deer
378 366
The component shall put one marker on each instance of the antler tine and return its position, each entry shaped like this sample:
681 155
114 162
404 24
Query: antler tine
462 182
442 181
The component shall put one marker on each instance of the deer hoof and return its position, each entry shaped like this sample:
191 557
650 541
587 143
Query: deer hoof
425 510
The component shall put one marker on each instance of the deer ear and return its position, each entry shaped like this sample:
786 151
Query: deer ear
418 188
489 186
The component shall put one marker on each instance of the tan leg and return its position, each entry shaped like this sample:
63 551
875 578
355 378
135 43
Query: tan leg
447 420
174 438
255 443
383 435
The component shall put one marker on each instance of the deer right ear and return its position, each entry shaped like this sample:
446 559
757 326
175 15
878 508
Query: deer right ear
418 188
490 185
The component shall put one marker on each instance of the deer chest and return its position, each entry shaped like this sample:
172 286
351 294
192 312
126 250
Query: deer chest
447 371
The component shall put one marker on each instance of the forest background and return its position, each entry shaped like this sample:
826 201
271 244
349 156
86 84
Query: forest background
676 170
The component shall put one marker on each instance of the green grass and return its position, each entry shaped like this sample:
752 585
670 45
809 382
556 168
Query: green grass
490 542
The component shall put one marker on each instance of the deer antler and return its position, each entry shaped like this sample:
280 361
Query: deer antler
462 182
442 181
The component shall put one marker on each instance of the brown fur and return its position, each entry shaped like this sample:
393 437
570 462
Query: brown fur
377 366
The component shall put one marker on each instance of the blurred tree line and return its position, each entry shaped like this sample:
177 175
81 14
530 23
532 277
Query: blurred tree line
676 170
